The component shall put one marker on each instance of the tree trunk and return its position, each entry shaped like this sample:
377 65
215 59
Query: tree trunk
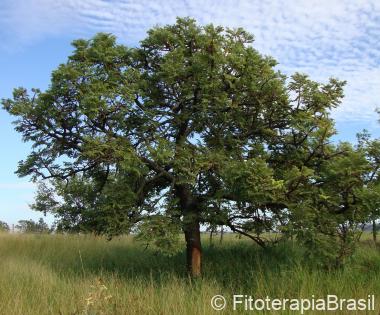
193 248
191 228
374 231
211 234
221 234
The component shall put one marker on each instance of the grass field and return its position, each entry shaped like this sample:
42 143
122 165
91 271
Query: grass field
58 274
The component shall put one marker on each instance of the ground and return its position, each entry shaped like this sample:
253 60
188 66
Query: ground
82 274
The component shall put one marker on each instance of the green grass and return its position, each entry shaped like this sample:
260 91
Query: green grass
57 274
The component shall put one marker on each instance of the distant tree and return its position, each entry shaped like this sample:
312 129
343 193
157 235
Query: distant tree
25 226
212 229
30 226
4 227
42 226
193 127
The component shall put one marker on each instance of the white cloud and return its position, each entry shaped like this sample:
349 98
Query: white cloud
322 38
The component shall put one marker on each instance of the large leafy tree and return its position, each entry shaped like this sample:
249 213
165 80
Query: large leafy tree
193 127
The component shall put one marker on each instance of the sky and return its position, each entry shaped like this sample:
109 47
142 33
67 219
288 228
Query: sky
324 38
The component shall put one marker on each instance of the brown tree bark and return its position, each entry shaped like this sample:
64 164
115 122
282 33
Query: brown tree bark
193 249
191 227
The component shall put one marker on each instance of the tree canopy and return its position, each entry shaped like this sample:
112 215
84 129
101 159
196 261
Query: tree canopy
193 127
31 226
4 227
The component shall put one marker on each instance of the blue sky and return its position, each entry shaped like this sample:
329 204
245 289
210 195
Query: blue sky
321 38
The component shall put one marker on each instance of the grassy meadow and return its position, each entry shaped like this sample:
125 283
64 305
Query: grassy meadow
81 274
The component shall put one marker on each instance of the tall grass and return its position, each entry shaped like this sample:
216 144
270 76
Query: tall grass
58 274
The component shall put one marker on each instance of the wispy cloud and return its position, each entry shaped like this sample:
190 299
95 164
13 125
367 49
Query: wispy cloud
322 38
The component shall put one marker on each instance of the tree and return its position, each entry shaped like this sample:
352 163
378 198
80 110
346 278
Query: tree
30 226
4 227
371 149
330 220
193 127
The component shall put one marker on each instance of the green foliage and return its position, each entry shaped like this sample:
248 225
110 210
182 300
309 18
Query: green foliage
340 202
4 227
162 234
195 127
30 226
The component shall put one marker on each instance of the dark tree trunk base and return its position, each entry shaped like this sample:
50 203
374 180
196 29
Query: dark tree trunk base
193 249
374 231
